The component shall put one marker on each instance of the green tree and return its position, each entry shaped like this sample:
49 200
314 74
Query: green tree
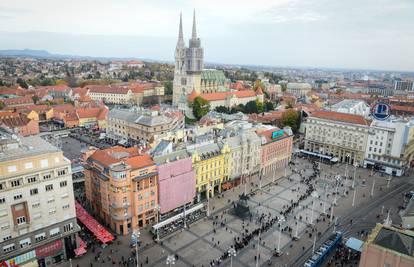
35 98
269 106
290 118
168 88
284 87
260 106
251 107
1 105
22 83
222 109
200 107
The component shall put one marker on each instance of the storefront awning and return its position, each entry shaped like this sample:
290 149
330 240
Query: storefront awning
354 244
96 228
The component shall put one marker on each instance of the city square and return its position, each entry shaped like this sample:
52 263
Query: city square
202 242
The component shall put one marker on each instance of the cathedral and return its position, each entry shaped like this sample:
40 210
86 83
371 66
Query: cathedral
191 80
189 73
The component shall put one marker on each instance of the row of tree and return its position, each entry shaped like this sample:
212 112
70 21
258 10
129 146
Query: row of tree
250 108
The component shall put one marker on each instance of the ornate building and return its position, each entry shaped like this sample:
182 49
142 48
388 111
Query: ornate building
188 66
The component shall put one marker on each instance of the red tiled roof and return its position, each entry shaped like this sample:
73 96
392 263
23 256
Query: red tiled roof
140 161
402 108
343 117
223 95
17 101
60 88
8 114
107 89
106 156
13 122
98 113
141 87
37 108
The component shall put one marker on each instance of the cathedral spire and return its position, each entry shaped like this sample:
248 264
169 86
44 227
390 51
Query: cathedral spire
180 32
194 34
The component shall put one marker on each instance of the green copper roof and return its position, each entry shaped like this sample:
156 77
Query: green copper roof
213 75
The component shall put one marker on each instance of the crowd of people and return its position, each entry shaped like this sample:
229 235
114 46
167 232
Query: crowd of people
265 220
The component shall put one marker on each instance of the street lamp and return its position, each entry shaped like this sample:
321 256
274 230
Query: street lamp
232 253
135 236
353 198
315 195
170 260
278 251
353 181
158 220
296 236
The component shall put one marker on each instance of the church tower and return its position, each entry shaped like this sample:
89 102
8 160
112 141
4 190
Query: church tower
188 66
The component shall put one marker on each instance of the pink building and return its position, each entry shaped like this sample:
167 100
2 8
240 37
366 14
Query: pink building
176 180
276 149
388 246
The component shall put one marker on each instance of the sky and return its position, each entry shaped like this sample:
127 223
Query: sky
355 34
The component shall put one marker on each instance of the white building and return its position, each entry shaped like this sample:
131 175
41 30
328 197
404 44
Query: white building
351 106
37 208
298 89
389 147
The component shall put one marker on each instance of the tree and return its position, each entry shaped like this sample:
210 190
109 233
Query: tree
200 107
1 105
35 98
259 84
269 106
22 83
223 109
168 88
290 118
251 107
260 106
284 87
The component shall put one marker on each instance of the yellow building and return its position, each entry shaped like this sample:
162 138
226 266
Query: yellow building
91 117
37 112
211 166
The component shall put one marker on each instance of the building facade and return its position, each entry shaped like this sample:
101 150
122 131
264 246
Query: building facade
388 247
390 146
176 180
276 149
337 134
121 188
298 89
140 124
211 165
407 86
189 62
37 208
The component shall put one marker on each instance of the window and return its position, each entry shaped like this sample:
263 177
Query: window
67 227
52 211
2 186
31 179
54 232
12 168
18 196
21 220
36 205
15 183
47 176
7 237
51 200
63 183
28 165
25 242
65 206
2 200
40 237
34 191
61 172
49 187
9 248
44 163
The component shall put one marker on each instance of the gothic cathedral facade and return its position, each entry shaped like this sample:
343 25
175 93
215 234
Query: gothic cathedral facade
188 67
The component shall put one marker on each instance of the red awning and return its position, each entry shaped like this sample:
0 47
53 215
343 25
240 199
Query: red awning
98 230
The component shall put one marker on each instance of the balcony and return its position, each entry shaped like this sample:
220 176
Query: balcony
123 217
120 205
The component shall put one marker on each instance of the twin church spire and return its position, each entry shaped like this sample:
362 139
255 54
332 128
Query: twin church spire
180 31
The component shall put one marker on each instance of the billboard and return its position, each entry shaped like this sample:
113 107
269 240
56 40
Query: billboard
277 134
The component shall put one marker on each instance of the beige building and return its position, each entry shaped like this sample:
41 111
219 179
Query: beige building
110 94
298 89
37 209
337 134
388 247
141 124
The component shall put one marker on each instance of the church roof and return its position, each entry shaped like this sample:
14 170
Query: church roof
213 75
223 95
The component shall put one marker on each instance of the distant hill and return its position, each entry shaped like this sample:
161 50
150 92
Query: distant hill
25 53
45 54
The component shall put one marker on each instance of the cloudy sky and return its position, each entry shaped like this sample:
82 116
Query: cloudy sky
368 34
